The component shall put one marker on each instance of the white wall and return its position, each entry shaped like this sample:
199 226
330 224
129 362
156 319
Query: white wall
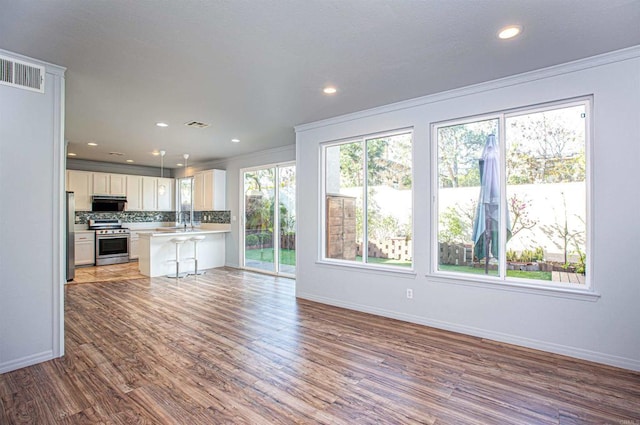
233 166
604 329
31 209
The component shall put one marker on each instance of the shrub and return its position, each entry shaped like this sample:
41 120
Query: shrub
265 238
251 240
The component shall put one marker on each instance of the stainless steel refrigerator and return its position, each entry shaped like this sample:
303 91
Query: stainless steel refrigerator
71 244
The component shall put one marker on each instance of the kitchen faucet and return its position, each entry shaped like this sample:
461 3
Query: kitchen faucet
183 219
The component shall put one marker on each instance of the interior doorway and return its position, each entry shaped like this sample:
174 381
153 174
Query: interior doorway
269 233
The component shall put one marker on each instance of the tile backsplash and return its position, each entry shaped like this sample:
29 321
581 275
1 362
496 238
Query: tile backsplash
82 217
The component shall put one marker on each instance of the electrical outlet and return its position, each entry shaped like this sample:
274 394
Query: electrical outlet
409 293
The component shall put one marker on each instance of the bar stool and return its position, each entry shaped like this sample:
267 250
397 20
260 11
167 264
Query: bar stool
178 241
195 240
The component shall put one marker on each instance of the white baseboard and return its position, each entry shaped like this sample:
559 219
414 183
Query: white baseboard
26 361
579 353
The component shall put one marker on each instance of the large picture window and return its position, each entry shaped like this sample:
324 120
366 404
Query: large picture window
368 200
511 198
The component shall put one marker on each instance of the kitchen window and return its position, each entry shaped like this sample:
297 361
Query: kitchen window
511 200
367 201
185 199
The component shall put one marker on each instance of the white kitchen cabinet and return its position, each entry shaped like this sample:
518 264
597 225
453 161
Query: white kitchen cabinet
134 193
81 183
85 247
209 190
109 184
149 193
157 194
133 245
117 184
165 194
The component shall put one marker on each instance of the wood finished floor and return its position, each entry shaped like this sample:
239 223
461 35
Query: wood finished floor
110 273
237 347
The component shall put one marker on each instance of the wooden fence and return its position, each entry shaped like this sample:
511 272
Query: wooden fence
455 254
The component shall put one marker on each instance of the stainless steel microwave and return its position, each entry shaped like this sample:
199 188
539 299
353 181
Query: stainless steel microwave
108 203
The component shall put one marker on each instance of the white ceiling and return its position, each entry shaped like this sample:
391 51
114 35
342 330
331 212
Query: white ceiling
254 69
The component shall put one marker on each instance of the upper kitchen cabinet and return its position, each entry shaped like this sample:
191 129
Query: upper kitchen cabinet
109 184
157 194
134 193
81 183
209 193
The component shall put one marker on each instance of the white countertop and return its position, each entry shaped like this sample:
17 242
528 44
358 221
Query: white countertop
179 232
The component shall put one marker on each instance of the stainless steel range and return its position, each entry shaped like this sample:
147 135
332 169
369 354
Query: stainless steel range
112 241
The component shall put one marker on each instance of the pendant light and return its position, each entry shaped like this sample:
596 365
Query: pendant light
161 187
186 157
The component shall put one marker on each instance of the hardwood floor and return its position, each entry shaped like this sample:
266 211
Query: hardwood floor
237 347
110 273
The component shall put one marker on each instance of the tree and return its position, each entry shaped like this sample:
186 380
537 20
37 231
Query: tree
546 147
564 234
520 220
459 149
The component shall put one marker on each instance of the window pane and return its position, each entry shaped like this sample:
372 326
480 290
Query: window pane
259 195
344 180
389 183
469 222
287 211
546 194
185 193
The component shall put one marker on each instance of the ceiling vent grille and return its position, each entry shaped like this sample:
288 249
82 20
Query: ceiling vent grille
196 124
20 74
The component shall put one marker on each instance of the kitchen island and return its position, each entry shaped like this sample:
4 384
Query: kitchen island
157 253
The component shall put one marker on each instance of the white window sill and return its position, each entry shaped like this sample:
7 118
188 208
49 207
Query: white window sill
515 286
362 267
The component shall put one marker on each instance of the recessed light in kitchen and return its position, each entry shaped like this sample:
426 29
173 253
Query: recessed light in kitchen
92 144
179 164
71 154
155 153
509 32
235 140
330 90
130 160
162 124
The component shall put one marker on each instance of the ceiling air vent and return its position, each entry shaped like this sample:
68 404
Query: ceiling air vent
196 124
21 74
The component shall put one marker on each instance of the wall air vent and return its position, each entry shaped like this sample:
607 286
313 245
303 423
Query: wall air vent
21 74
196 124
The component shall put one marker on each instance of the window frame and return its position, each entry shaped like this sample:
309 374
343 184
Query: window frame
503 281
322 211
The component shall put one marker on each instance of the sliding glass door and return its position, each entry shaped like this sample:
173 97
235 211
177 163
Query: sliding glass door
269 233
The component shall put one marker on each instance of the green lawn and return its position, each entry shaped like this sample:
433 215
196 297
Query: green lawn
287 256
389 261
510 273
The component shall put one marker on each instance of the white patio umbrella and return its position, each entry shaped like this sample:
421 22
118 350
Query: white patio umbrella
486 225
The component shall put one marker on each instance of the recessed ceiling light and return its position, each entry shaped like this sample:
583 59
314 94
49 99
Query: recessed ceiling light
71 154
330 90
509 32
92 144
155 153
130 160
162 124
235 140
179 164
